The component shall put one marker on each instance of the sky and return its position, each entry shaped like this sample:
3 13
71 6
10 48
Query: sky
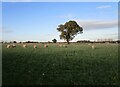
38 21
60 0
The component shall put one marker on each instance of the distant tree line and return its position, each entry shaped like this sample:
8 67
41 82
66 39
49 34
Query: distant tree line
88 41
31 42
55 41
83 41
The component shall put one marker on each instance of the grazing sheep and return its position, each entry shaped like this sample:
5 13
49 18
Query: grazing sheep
45 45
93 47
89 44
13 46
8 46
24 46
35 46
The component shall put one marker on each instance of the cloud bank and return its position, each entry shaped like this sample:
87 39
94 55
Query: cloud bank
97 24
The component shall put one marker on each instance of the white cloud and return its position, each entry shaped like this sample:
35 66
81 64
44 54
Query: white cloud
97 24
103 7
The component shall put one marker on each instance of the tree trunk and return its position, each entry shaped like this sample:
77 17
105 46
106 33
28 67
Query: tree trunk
68 41
68 37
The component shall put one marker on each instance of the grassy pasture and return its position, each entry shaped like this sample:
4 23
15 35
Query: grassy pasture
78 64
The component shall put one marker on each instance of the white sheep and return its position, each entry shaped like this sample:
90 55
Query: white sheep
93 47
24 46
45 45
35 46
89 44
8 46
13 46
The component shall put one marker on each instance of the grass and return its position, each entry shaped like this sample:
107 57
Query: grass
78 64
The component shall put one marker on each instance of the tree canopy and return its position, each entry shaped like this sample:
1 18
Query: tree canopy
69 30
54 40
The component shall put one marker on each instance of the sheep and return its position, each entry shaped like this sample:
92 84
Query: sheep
93 47
24 46
45 45
13 46
8 46
35 46
89 44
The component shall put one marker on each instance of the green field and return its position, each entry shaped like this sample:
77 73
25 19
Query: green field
78 64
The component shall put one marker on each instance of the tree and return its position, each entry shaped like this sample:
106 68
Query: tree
54 40
14 41
69 30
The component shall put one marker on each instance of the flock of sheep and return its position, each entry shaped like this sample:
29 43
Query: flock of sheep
25 46
45 46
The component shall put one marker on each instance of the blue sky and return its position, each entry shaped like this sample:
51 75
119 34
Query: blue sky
59 0
38 21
